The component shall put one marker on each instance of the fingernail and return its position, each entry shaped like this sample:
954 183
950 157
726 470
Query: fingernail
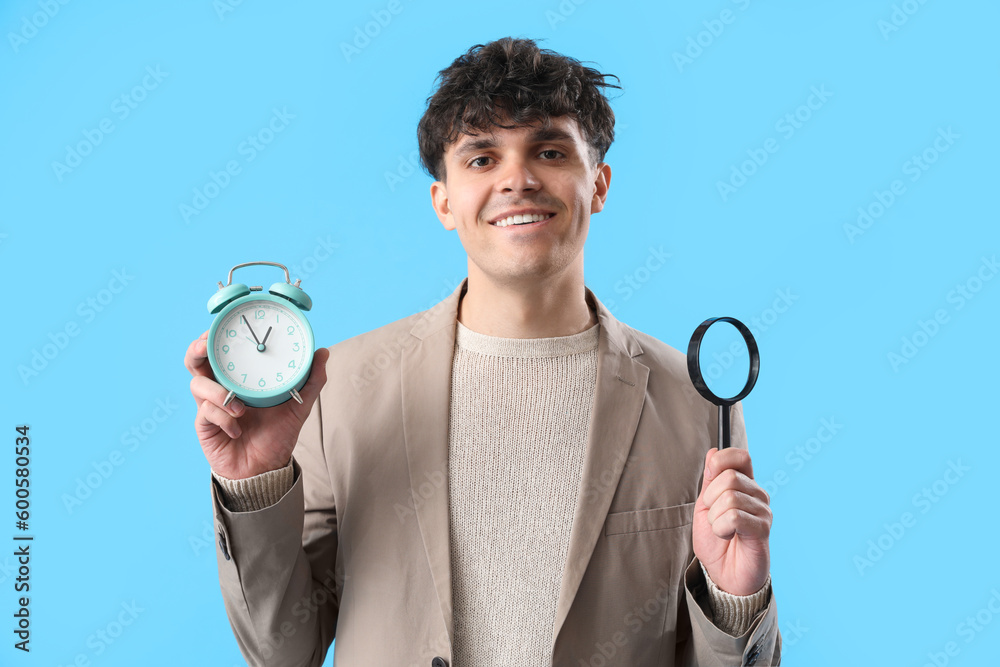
237 407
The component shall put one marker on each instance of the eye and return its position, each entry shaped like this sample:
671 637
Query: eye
472 162
550 150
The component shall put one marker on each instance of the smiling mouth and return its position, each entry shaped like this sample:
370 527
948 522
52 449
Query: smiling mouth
517 220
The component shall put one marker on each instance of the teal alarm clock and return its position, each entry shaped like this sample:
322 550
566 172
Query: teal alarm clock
260 346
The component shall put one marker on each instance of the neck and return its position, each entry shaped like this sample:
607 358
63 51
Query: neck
546 309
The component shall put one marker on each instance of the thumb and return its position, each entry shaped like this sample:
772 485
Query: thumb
317 375
709 473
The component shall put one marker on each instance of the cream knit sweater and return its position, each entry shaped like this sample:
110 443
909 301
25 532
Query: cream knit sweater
520 409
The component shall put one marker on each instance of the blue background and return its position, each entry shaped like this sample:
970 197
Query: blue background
337 196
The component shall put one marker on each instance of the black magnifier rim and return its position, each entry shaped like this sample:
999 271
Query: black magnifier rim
694 360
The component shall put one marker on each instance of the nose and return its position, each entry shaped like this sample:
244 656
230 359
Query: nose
516 176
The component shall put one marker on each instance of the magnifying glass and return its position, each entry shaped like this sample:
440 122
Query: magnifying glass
694 370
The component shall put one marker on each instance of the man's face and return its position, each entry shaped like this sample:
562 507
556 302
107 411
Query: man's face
492 175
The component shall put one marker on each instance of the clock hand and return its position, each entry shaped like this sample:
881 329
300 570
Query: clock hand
264 342
251 329
260 346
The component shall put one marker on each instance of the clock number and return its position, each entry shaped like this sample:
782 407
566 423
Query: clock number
261 383
259 315
244 378
291 330
279 378
291 364
231 366
230 333
277 317
225 349
295 347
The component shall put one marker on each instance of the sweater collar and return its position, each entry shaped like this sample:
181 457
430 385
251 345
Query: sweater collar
445 313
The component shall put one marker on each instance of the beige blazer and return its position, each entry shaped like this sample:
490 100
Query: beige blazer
358 550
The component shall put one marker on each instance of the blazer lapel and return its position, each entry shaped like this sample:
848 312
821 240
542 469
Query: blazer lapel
618 399
426 390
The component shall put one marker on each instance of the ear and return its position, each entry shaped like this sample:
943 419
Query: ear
602 182
439 200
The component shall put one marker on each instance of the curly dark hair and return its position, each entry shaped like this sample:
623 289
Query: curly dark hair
512 78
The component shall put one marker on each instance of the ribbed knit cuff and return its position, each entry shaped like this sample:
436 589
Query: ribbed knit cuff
734 613
255 493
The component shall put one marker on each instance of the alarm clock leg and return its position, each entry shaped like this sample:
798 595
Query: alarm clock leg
229 397
296 396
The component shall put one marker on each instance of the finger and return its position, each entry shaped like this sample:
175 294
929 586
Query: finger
204 389
210 414
719 460
732 499
736 481
196 357
735 522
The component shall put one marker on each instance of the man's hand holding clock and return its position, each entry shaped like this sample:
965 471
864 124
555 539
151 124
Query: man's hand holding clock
241 441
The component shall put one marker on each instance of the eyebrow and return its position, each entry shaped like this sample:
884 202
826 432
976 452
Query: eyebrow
538 136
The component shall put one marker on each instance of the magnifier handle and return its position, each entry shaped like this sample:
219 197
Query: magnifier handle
724 427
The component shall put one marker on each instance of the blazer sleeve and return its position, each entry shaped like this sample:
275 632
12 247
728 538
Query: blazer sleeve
278 567
707 644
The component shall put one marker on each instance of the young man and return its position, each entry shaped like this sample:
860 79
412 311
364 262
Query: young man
526 480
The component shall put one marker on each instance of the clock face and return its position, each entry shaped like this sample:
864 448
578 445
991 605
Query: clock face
261 347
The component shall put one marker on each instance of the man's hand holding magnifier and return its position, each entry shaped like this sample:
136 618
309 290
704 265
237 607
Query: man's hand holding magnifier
732 522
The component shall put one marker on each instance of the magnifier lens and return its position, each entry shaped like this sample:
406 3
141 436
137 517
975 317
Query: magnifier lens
700 368
724 360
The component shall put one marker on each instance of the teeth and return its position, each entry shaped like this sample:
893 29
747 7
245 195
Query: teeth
522 219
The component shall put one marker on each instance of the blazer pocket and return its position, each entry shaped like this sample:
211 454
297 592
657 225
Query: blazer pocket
658 518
